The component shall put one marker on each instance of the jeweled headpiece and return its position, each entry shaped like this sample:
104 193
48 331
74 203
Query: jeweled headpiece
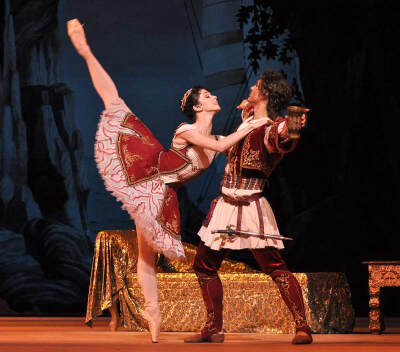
183 100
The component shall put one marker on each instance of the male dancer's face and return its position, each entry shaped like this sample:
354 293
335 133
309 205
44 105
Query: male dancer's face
256 95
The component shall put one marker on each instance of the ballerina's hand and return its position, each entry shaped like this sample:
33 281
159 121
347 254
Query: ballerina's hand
78 37
243 104
253 124
246 107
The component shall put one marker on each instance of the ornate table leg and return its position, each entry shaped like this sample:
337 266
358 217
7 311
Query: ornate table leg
381 274
375 314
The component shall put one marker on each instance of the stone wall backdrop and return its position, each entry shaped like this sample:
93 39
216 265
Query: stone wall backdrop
46 244
45 249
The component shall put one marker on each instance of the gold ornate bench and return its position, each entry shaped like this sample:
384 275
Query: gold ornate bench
252 302
381 274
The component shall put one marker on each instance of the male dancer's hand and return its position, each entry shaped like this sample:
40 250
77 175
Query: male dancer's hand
284 131
304 118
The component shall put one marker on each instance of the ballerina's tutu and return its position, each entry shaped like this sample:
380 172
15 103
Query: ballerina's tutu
128 157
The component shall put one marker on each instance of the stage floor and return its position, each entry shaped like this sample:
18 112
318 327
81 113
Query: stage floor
70 335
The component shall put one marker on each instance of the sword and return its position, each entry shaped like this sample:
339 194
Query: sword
231 231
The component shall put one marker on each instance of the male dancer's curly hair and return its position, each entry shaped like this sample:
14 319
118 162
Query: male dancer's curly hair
278 90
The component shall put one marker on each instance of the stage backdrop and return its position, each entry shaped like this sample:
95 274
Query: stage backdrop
336 194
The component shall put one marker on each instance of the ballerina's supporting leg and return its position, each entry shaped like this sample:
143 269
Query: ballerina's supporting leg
108 92
115 319
146 275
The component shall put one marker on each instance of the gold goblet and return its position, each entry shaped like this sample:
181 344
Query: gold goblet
294 121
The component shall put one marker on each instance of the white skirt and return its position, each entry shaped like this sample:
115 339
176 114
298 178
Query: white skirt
225 214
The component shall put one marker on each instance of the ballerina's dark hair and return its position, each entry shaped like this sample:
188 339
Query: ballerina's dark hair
190 99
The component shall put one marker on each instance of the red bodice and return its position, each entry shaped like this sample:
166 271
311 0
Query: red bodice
143 158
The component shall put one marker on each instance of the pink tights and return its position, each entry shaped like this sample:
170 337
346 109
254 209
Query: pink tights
146 275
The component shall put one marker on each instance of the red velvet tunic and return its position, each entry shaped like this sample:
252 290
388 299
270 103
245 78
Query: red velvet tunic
240 205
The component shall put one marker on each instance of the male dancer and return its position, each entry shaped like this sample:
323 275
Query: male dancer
241 207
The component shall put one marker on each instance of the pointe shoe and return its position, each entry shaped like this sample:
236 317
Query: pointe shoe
153 319
302 338
78 37
198 338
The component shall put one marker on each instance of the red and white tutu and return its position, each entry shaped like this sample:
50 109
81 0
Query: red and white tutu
143 200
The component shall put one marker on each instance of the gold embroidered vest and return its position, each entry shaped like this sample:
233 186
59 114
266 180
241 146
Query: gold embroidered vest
250 158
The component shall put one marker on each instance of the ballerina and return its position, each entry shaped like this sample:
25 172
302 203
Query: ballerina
143 176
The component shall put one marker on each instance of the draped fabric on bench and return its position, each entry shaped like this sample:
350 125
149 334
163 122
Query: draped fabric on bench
252 302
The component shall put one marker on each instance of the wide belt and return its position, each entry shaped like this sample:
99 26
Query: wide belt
245 202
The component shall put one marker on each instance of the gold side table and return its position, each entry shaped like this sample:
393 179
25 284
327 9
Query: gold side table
381 274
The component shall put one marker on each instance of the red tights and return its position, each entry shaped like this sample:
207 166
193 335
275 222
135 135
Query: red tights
206 265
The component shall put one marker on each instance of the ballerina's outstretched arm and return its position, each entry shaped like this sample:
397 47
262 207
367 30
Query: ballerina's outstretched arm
196 138
102 82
